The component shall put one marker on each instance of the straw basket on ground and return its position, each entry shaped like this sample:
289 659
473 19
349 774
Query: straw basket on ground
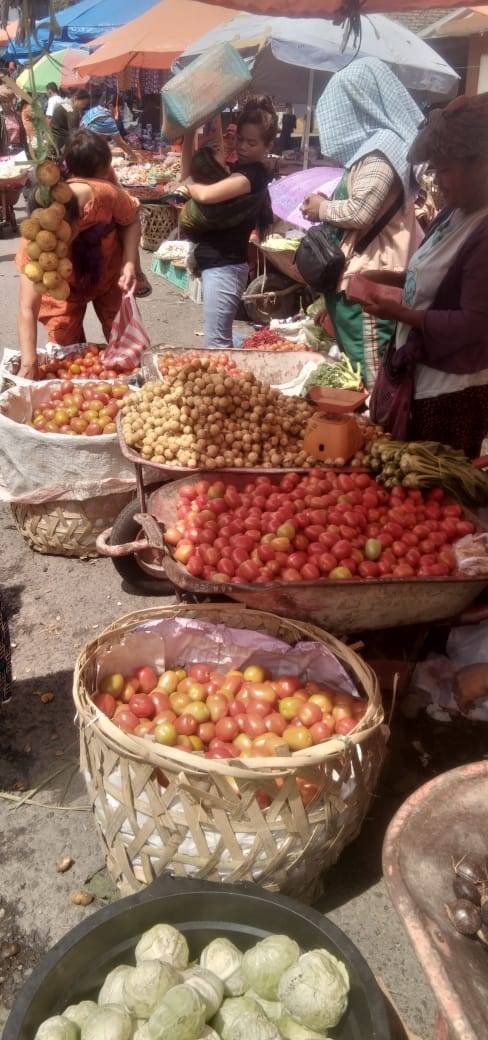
157 222
277 822
68 528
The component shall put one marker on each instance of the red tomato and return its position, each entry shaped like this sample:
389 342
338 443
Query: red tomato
254 725
160 700
142 705
105 703
342 549
221 750
275 723
345 725
369 569
403 570
309 713
226 729
186 725
286 685
144 727
320 731
327 562
206 732
126 721
310 572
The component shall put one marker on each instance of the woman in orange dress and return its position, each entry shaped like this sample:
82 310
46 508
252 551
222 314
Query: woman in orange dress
104 250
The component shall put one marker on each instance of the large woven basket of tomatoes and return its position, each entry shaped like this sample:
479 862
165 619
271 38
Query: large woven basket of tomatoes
213 746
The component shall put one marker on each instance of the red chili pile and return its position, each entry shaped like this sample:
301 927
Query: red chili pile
266 339
237 714
320 526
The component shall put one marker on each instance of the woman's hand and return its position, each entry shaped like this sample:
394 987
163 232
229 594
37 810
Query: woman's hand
311 207
393 310
127 280
28 370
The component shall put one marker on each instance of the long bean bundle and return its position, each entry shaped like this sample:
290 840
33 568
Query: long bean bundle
429 464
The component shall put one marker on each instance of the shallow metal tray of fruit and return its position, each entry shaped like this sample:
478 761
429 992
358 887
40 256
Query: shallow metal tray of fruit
75 968
339 606
273 367
445 818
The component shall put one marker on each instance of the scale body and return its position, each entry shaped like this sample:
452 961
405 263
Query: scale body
333 432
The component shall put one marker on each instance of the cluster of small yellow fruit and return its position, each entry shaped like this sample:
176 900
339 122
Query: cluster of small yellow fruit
48 234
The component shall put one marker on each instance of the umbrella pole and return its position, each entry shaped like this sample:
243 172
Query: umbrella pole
308 120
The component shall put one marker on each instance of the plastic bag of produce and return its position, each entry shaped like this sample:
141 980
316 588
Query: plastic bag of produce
40 467
128 338
205 87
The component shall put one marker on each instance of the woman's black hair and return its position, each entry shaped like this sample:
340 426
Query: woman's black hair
260 112
87 155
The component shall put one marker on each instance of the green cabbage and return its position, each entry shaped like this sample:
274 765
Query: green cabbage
112 991
180 1016
272 1008
78 1013
58 1028
314 990
264 965
252 1025
110 1022
208 985
225 961
145 986
292 1030
163 943
231 1011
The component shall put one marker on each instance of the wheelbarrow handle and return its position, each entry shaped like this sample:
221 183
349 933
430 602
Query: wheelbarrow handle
126 549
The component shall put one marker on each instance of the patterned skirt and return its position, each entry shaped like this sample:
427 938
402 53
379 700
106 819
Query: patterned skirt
5 664
459 419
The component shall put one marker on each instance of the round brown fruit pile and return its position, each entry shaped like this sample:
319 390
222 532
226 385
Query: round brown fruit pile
201 418
247 713
73 409
170 364
48 235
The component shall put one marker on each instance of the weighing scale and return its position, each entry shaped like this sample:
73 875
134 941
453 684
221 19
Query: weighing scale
333 432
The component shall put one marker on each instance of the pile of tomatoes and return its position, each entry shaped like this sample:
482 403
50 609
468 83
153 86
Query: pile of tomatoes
245 713
76 409
319 526
87 363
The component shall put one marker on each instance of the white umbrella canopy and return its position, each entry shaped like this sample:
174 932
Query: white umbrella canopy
292 47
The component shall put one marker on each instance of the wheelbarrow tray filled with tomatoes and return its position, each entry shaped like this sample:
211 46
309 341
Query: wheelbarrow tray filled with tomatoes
342 603
436 847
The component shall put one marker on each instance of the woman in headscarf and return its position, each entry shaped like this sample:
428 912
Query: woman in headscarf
367 122
442 335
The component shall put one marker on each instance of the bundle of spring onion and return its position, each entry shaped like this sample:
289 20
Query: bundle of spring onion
341 375
428 464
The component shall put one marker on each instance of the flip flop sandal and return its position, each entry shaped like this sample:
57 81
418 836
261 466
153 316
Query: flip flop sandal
145 290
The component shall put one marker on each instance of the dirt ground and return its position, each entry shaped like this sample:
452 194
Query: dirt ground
57 605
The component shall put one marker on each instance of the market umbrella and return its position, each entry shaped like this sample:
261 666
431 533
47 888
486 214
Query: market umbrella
291 47
154 40
58 68
91 18
466 21
340 8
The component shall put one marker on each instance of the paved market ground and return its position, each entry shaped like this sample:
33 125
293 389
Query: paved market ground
56 606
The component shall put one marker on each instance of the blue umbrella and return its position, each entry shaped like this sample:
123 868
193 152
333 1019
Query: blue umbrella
91 18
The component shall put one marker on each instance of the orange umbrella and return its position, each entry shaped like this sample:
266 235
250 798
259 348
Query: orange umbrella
341 8
8 34
154 40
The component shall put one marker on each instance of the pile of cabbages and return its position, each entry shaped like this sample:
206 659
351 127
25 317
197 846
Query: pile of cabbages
271 992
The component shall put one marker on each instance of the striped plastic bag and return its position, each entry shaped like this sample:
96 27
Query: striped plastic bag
128 338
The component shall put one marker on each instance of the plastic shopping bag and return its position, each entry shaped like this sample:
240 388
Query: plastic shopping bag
128 338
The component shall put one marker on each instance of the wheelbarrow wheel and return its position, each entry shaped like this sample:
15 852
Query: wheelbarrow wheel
260 312
126 529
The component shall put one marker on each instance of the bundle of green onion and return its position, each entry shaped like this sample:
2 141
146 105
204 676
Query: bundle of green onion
428 464
341 375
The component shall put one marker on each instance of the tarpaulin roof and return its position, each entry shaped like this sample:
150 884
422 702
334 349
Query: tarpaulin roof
91 18
154 40
330 8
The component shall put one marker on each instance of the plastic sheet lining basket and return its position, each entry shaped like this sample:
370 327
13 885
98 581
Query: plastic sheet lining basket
68 528
162 809
157 222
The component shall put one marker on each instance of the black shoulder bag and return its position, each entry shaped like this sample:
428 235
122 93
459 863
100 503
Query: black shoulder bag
319 257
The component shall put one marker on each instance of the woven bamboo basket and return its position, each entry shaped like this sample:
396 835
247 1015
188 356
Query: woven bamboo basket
157 221
163 809
68 528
